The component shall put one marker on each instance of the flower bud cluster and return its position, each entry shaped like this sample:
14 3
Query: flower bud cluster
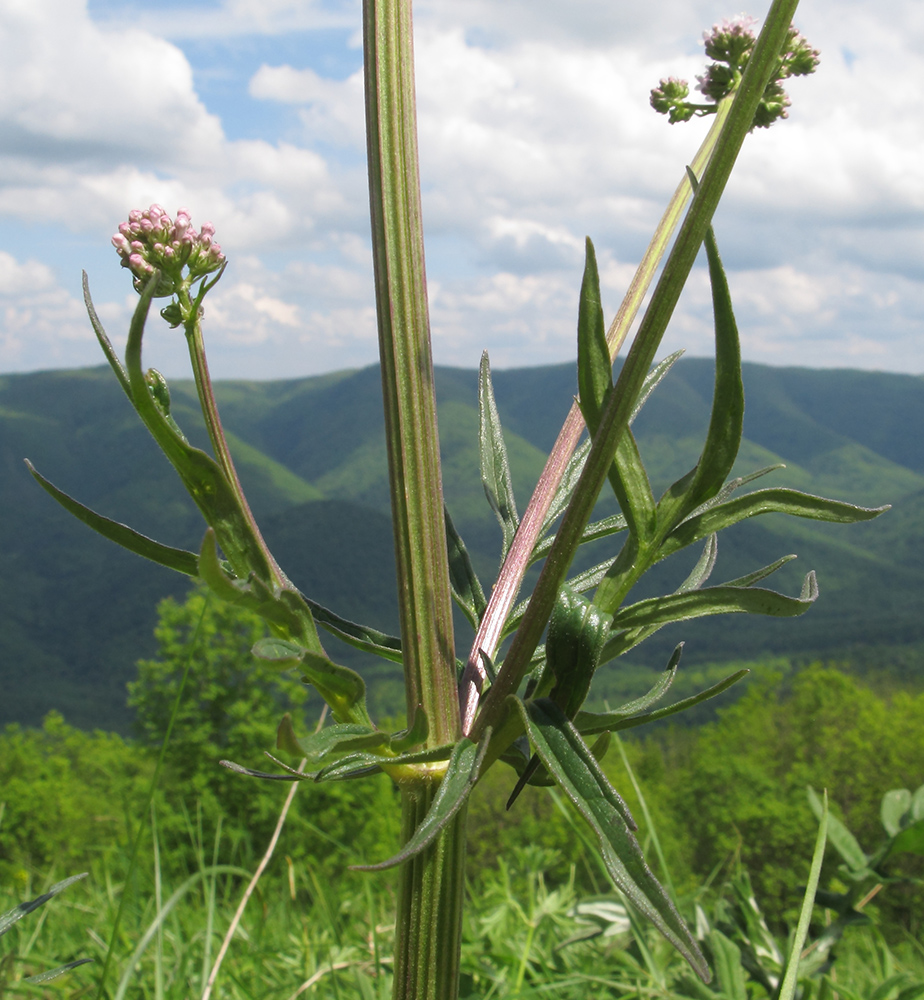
152 241
730 45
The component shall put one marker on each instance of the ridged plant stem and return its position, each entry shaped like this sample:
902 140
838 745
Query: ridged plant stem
407 368
430 897
429 917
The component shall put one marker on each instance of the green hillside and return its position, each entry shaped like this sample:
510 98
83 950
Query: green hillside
76 612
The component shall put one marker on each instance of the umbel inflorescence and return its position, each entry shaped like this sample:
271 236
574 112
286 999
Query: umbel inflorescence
729 45
151 241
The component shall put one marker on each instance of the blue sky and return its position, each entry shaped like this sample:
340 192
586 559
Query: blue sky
535 131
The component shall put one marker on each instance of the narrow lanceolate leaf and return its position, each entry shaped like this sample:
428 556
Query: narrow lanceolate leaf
175 559
749 579
595 381
342 688
366 762
339 738
598 529
363 637
727 419
658 690
353 765
595 367
47 977
772 501
591 723
104 342
495 468
457 783
632 488
842 840
571 763
281 652
704 566
716 601
467 591
23 909
576 465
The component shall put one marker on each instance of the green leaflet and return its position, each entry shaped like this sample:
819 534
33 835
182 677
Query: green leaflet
51 974
909 841
895 804
175 559
770 501
352 765
361 762
104 342
569 761
590 723
714 601
467 591
726 422
842 840
595 381
363 637
23 909
281 652
595 367
347 738
599 529
460 778
495 468
726 961
339 738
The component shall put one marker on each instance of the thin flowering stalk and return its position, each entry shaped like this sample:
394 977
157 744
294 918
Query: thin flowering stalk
617 411
152 244
515 565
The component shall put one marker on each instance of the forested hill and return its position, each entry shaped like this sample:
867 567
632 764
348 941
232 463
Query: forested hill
76 613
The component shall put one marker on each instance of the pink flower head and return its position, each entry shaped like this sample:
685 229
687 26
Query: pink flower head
151 241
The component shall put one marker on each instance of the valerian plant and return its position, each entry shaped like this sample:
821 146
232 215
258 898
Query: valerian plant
523 706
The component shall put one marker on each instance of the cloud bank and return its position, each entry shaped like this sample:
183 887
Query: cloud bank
535 131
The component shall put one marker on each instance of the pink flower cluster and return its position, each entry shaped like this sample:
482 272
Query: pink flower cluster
152 241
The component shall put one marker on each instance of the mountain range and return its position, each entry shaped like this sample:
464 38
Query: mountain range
76 613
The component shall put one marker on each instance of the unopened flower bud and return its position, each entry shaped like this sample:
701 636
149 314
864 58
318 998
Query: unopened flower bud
730 45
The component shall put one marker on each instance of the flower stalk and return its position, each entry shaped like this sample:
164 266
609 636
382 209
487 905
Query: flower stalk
615 417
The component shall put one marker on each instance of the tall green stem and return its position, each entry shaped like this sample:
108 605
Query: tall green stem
429 917
407 368
430 897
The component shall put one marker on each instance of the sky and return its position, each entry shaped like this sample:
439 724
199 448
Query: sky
535 131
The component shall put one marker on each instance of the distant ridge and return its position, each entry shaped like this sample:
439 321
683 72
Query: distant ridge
76 613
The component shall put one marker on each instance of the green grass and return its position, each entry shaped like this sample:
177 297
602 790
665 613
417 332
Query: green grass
301 935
